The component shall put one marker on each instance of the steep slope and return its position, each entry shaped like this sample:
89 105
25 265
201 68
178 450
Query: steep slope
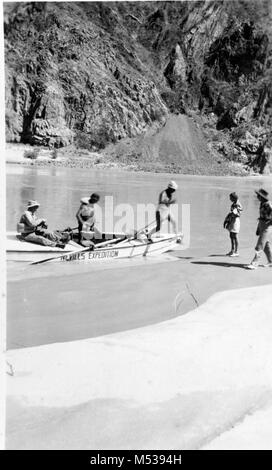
94 73
179 146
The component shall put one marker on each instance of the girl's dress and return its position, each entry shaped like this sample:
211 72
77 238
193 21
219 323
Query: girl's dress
233 218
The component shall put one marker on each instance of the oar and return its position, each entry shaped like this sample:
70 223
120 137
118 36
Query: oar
68 229
130 237
143 229
99 245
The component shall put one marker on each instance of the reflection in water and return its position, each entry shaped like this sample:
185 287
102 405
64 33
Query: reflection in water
59 191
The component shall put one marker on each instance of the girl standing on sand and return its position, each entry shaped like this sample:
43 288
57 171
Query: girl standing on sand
232 223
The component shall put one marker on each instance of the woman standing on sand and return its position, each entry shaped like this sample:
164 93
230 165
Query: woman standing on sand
232 223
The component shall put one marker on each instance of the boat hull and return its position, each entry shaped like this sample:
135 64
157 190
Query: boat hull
124 249
18 250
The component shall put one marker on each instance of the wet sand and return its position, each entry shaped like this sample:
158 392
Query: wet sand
91 302
182 384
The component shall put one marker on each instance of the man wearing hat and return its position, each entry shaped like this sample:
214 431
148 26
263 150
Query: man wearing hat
163 209
34 230
264 230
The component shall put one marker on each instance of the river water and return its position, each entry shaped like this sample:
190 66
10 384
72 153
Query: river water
59 191
50 303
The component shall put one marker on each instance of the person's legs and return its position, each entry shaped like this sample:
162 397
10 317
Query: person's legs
254 263
235 243
173 222
79 232
232 244
97 233
39 240
261 242
268 244
268 251
54 237
158 225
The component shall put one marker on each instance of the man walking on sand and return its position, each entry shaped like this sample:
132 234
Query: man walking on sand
264 231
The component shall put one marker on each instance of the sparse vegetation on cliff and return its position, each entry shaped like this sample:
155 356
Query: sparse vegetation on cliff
97 74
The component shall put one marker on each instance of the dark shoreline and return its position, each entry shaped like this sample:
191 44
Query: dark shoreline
110 164
72 157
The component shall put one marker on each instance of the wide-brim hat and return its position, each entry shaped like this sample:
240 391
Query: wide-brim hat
31 204
173 185
84 200
263 193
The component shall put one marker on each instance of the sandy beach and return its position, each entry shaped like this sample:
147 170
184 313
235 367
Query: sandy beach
67 306
202 380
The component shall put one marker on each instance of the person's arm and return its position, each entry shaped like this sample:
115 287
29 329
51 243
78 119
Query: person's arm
163 199
173 201
268 213
239 209
78 216
91 220
236 210
31 222
228 219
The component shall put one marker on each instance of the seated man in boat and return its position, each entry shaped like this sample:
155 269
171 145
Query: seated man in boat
86 217
163 209
34 230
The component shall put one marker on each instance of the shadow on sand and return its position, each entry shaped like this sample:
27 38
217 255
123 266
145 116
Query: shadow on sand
218 256
223 265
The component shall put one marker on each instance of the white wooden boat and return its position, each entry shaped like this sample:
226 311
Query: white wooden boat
115 248
19 250
129 248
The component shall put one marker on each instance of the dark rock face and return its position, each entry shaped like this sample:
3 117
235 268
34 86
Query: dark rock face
101 71
66 76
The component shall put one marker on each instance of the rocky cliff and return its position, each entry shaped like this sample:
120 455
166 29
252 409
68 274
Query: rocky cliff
100 72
